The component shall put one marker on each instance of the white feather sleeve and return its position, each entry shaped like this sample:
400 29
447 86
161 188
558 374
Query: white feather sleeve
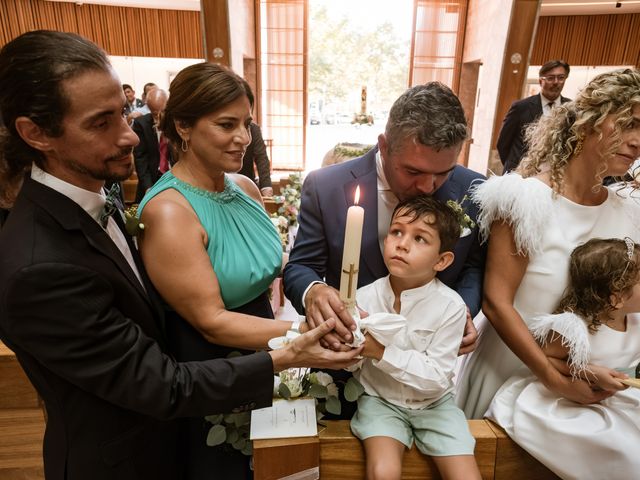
574 334
524 204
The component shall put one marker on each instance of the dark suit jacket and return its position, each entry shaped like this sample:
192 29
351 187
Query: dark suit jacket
511 147
317 253
147 155
256 156
89 337
137 103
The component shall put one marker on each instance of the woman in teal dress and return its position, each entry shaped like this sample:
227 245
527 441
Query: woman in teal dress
208 245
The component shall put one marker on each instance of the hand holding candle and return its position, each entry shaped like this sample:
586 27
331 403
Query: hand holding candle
351 253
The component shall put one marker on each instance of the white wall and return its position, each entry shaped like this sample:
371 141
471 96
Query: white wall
242 33
136 71
485 40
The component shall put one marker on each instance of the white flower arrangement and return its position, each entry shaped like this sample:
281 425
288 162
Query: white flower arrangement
233 428
286 218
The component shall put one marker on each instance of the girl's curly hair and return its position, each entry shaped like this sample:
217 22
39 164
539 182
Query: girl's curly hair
599 269
553 139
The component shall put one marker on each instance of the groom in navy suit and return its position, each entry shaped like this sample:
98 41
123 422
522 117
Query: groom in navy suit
417 154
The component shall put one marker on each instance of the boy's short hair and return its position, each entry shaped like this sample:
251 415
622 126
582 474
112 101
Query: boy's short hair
446 221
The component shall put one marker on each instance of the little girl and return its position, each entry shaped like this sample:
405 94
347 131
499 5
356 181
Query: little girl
594 335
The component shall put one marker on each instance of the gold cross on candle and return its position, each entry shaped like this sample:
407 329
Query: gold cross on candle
351 272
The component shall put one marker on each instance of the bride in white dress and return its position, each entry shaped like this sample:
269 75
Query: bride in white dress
536 217
597 333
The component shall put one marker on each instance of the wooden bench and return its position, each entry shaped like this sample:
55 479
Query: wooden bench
17 391
21 434
340 456
22 422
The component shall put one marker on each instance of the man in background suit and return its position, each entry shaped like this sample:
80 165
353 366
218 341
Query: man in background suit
417 154
76 305
133 103
255 157
144 109
152 156
511 145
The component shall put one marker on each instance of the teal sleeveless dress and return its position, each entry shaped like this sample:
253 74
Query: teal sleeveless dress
246 255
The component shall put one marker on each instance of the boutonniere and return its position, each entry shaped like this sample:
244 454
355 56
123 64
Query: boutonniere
132 223
466 224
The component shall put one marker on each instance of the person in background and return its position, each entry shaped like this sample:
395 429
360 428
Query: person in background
132 102
255 158
145 90
535 217
153 155
76 305
144 109
511 145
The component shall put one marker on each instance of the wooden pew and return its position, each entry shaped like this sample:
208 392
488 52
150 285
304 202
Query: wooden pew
22 422
17 391
514 462
340 455
21 434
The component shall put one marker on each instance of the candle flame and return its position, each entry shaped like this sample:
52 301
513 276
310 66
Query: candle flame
356 198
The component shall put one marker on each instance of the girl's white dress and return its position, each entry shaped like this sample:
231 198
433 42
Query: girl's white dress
599 441
547 229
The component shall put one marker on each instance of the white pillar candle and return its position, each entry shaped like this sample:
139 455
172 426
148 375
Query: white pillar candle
351 252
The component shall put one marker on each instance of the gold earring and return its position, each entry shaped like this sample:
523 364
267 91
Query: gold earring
185 146
577 150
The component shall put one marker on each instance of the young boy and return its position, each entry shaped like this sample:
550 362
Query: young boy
408 378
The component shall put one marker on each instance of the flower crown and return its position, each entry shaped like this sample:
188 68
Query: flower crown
466 224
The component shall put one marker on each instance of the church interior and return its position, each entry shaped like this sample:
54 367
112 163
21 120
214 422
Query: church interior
487 51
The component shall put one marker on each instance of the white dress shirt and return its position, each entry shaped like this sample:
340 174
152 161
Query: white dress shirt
417 369
546 108
92 203
387 202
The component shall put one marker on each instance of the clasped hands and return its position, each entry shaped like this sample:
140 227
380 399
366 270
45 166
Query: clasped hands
323 303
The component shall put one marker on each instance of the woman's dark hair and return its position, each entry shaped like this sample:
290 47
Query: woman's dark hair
599 269
33 68
441 217
199 90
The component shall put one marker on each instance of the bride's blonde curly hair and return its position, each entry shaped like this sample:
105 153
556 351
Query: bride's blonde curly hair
555 139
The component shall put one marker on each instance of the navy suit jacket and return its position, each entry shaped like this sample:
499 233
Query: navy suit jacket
327 193
511 147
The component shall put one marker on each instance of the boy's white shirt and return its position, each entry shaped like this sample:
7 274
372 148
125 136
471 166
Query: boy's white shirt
417 368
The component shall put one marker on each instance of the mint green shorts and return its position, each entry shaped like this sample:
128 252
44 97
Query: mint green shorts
440 429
